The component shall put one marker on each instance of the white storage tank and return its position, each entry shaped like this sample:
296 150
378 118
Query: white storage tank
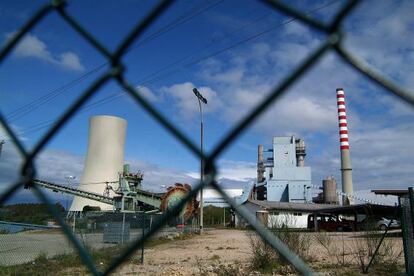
329 191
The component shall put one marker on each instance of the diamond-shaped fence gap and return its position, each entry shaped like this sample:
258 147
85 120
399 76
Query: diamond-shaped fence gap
386 48
276 92
48 97
125 22
80 247
165 122
372 115
53 50
12 156
266 234
141 152
234 173
270 67
46 108
26 27
163 220
31 233
173 24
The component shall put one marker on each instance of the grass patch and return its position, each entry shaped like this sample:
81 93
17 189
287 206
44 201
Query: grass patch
215 258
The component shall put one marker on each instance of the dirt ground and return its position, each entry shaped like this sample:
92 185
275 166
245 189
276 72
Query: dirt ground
185 257
199 254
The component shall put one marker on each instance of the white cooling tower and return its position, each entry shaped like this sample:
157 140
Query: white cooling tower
104 159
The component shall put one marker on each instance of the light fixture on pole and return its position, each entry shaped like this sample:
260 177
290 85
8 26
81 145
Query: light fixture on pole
203 100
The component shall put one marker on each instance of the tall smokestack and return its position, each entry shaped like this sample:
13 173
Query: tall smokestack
346 168
260 164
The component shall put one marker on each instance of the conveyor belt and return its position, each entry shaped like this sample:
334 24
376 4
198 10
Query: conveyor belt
74 191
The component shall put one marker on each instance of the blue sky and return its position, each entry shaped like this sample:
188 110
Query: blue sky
234 52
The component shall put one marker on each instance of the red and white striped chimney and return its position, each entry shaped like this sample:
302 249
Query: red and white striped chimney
346 169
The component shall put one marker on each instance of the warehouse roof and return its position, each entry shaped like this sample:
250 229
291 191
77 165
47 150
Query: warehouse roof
394 192
321 208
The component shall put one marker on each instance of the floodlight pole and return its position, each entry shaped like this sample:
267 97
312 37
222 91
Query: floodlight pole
68 179
201 99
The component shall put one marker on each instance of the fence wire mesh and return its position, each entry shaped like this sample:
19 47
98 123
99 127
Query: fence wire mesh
333 42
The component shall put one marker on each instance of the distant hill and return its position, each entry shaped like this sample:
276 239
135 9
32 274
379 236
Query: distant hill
35 213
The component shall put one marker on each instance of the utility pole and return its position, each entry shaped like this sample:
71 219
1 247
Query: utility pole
68 179
203 100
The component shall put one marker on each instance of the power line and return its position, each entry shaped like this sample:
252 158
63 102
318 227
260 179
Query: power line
177 62
183 18
27 108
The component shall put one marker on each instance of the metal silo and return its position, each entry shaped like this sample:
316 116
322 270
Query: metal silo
329 191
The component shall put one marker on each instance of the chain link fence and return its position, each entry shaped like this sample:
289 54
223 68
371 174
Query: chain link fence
103 234
333 42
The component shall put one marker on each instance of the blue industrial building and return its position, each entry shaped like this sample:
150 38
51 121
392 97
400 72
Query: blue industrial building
283 177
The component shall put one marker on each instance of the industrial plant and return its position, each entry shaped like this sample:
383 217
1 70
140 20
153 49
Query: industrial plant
112 207
283 193
283 186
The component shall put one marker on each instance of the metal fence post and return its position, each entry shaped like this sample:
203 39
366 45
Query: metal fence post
411 201
123 228
407 232
143 233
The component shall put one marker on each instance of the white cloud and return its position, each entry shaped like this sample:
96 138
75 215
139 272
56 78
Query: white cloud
379 124
32 46
387 44
381 157
213 194
148 94
232 171
71 61
237 170
298 114
186 102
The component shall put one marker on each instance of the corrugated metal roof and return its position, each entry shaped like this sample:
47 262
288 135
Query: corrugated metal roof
313 207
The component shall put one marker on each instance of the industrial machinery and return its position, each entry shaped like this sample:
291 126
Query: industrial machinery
130 197
174 195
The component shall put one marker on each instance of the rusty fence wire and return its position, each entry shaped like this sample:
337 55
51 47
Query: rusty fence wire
332 42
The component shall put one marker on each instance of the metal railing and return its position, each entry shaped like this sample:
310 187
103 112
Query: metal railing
333 42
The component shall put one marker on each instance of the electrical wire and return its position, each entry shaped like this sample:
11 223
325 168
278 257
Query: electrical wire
35 104
148 80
